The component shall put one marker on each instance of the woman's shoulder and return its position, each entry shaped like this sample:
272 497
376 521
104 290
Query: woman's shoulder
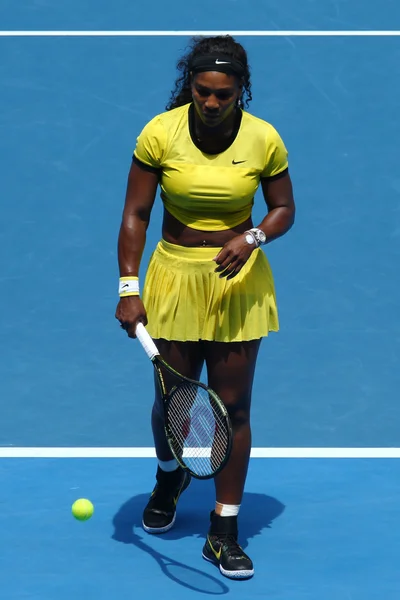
260 125
169 118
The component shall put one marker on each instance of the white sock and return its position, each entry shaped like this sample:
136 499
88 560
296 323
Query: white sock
168 465
227 510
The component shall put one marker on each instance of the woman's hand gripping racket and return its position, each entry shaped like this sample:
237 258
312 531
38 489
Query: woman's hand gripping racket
196 422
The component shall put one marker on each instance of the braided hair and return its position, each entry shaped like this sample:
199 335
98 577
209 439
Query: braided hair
200 46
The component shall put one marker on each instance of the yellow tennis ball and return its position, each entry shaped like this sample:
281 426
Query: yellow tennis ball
82 509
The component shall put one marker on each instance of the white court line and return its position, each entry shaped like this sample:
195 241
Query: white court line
190 33
13 452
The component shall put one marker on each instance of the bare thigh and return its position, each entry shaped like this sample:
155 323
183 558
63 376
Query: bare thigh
230 368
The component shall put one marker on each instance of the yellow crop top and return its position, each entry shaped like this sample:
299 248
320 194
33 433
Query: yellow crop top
209 192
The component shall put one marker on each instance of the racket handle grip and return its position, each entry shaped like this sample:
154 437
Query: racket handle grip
145 339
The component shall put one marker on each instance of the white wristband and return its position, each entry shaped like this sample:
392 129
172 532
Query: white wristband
128 286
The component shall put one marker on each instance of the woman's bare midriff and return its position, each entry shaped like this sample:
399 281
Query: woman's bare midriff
174 232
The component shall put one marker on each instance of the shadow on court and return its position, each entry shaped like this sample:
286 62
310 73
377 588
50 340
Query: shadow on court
258 512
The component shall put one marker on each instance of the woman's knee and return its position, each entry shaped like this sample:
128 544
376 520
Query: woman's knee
238 410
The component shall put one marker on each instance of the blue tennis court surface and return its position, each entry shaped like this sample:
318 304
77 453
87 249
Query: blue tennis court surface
70 111
315 529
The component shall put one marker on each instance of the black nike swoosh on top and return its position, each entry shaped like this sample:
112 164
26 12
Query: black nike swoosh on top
237 162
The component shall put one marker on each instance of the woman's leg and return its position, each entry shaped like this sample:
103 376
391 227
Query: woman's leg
160 512
231 368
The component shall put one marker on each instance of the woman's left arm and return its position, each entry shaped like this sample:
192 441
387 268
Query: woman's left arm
278 195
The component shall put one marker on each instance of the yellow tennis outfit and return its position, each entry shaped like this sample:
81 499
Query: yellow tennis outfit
184 298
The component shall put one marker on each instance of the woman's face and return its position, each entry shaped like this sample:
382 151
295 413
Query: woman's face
215 96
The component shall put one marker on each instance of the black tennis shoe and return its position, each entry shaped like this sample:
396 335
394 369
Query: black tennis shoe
160 513
222 548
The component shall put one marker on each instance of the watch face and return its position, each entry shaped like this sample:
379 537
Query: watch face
249 239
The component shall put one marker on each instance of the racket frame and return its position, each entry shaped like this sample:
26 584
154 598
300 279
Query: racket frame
158 362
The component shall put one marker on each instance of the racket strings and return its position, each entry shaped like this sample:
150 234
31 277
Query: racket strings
199 430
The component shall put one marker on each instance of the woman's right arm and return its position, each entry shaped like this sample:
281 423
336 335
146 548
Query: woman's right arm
139 200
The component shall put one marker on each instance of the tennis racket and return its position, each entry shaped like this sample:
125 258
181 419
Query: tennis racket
196 422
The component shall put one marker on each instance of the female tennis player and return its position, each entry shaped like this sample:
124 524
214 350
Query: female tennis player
208 297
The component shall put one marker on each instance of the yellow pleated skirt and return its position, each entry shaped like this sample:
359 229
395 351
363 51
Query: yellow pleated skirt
186 300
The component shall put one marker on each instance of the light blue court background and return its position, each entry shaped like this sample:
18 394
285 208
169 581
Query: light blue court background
70 113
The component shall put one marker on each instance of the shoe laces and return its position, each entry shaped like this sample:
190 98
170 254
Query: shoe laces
231 543
162 493
166 490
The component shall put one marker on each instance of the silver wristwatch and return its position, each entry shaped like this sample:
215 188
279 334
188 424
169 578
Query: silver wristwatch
255 236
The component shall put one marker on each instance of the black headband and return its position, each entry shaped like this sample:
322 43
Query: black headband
217 62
